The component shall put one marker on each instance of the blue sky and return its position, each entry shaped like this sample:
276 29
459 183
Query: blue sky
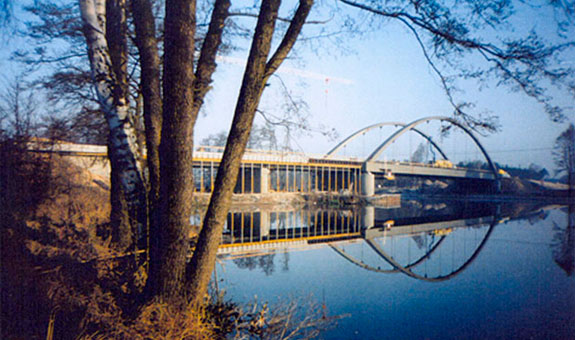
384 78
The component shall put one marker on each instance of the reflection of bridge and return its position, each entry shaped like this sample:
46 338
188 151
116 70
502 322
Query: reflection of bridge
414 249
275 171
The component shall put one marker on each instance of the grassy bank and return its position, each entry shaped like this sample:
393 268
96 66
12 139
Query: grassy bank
62 278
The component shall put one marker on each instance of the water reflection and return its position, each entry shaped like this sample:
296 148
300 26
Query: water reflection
431 241
497 270
564 243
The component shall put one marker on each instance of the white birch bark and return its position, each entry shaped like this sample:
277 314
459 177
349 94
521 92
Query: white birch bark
123 140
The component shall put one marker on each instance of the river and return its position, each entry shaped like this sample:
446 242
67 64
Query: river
420 270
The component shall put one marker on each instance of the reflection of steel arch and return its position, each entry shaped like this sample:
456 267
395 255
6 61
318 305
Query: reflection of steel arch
407 269
387 271
377 152
371 127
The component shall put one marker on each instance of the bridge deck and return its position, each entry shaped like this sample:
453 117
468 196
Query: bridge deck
419 169
281 171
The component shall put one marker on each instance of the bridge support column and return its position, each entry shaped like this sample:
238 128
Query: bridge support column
367 217
264 180
265 224
367 184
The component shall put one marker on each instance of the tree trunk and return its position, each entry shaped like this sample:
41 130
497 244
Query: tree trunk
147 45
121 230
116 31
169 238
123 150
255 77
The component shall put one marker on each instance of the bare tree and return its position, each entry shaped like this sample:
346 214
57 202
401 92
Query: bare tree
18 110
258 70
420 154
261 138
186 80
564 155
449 32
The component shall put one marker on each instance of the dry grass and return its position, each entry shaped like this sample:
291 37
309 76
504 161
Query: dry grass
157 321
74 281
56 227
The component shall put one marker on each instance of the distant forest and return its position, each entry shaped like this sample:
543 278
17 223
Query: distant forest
534 171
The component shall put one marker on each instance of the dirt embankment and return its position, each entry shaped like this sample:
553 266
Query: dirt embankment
526 187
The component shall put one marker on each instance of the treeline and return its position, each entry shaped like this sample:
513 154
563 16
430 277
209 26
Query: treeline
534 171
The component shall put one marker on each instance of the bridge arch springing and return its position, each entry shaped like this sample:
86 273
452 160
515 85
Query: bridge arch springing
411 126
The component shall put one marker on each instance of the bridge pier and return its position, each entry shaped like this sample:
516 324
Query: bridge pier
367 217
367 183
265 223
264 180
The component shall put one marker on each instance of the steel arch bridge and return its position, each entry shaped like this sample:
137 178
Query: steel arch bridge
371 164
279 171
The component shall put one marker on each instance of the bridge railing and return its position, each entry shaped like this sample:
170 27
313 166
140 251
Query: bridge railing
433 165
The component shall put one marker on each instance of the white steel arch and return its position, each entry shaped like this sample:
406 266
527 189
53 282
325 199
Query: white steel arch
371 127
378 151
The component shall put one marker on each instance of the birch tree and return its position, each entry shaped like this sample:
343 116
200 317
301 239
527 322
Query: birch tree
185 83
128 191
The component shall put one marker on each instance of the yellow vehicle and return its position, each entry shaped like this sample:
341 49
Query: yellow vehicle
443 163
388 224
443 232
504 173
389 176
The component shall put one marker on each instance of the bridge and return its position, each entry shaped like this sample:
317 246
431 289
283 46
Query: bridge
278 171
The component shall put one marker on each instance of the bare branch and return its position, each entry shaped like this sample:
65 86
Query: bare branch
254 15
523 62
206 63
289 38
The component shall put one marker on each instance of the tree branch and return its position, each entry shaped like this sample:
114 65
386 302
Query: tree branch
206 63
289 38
254 15
528 57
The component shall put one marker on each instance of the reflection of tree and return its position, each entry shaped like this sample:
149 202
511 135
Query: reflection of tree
564 244
265 262
285 262
537 217
419 241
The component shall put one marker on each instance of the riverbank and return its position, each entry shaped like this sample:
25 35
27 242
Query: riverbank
61 278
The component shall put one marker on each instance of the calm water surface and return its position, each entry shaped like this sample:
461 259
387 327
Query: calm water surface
419 271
